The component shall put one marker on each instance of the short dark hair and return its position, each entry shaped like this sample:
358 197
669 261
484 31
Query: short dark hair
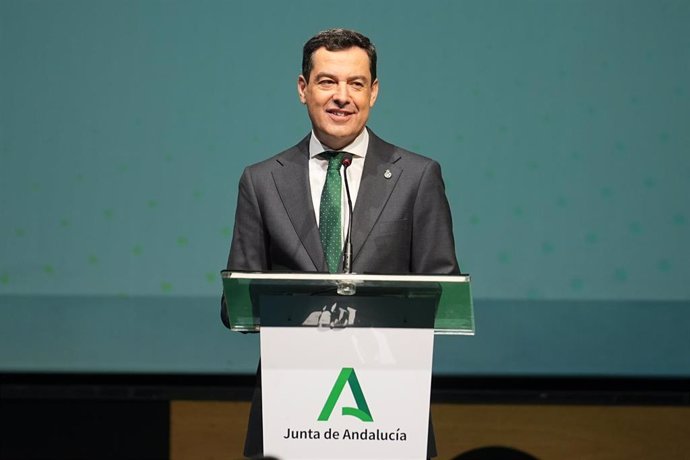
337 40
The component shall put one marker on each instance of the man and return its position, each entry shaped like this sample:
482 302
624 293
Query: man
401 221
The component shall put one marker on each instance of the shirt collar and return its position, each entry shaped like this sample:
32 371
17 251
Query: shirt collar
358 147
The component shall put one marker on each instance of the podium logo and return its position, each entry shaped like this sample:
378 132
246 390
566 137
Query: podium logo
347 376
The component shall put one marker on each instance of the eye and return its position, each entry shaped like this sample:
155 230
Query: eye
357 84
326 83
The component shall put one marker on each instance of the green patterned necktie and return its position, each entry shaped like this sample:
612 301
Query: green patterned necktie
329 212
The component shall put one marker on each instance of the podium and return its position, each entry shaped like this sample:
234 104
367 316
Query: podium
346 359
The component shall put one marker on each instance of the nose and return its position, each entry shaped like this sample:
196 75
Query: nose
341 96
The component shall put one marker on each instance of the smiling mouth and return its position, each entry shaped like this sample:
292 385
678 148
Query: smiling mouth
339 113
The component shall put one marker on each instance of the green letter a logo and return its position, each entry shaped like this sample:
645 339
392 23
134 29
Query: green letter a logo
347 375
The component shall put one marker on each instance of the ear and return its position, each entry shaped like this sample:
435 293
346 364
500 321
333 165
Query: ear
374 92
301 89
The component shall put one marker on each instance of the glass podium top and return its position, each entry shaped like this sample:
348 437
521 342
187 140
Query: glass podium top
348 300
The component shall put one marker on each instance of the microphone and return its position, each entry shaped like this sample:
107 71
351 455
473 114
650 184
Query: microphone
347 258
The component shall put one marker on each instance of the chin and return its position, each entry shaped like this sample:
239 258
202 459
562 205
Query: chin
342 132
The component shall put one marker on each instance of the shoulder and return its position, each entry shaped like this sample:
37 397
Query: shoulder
416 159
298 153
396 154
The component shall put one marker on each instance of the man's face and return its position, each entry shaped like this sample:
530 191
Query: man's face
338 95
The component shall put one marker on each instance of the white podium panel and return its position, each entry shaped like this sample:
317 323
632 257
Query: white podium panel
353 393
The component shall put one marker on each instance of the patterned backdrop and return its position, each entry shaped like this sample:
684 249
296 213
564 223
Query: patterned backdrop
562 128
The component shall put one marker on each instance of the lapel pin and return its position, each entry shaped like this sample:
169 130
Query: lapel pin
388 174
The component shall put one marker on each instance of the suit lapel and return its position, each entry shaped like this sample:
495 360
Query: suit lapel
292 182
379 176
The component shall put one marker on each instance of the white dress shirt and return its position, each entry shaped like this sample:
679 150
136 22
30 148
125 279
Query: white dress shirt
318 167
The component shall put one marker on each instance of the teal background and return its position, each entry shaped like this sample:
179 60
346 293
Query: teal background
561 127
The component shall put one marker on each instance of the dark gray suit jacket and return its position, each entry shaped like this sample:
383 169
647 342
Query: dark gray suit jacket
401 224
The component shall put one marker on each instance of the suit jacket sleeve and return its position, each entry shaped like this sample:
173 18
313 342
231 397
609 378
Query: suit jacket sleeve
248 251
433 245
